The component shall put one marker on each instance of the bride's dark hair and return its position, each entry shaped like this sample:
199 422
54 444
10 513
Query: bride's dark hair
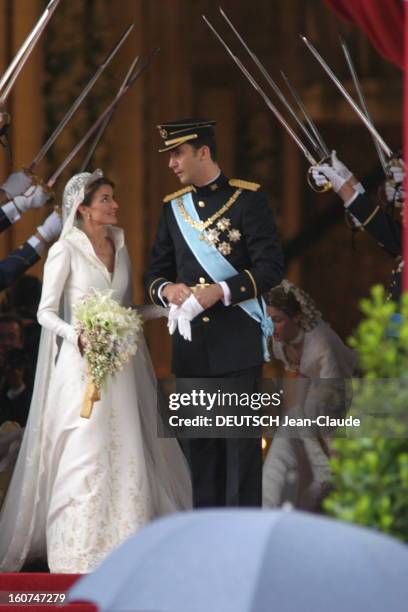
93 188
90 192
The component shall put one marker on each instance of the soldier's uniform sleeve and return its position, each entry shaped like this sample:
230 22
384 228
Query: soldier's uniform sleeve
4 221
163 267
383 227
264 250
16 263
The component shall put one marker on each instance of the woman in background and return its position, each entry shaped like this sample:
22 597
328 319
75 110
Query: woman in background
296 469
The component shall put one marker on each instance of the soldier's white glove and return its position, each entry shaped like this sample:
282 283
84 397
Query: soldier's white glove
336 173
394 189
324 174
34 197
17 183
180 316
339 167
51 228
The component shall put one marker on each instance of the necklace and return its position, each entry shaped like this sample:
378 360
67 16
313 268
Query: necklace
202 225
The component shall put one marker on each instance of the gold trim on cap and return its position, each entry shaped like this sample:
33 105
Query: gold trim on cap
180 139
175 142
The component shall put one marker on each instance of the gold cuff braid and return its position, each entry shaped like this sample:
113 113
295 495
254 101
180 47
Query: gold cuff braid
253 282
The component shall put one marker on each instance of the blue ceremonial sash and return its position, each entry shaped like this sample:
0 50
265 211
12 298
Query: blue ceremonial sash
219 268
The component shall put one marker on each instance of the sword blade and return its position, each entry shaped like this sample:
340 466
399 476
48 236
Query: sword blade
361 98
44 149
140 68
308 119
349 99
275 87
13 78
266 99
26 48
101 119
106 122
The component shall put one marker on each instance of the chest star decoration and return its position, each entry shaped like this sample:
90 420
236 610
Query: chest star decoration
223 224
234 235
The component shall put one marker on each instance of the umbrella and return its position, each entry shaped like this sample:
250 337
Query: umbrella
251 561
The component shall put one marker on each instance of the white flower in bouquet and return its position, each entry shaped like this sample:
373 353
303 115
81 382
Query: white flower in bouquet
110 335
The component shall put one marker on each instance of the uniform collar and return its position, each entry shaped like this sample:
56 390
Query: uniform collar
211 188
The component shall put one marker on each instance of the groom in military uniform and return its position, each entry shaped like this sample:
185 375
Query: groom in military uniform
216 239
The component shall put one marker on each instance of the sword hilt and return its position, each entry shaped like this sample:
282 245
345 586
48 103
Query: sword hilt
395 161
37 180
311 182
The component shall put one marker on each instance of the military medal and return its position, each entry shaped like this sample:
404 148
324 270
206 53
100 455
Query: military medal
213 235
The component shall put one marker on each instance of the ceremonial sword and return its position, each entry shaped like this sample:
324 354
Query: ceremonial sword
312 161
362 101
44 149
266 99
9 77
136 74
274 86
105 123
349 99
27 47
310 122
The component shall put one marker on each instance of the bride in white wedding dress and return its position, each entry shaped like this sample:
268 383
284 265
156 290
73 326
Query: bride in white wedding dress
81 486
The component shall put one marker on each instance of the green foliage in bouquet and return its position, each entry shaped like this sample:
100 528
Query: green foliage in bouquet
370 473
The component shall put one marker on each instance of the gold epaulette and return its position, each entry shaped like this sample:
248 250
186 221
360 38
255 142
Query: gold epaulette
244 184
178 193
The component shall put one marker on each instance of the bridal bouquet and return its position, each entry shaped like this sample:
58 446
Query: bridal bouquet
110 335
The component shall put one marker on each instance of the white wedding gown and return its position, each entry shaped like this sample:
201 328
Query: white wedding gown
82 486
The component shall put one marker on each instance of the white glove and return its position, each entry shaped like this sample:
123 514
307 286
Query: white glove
181 316
190 308
398 171
172 322
176 320
323 174
184 328
51 228
34 197
16 183
394 187
339 167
